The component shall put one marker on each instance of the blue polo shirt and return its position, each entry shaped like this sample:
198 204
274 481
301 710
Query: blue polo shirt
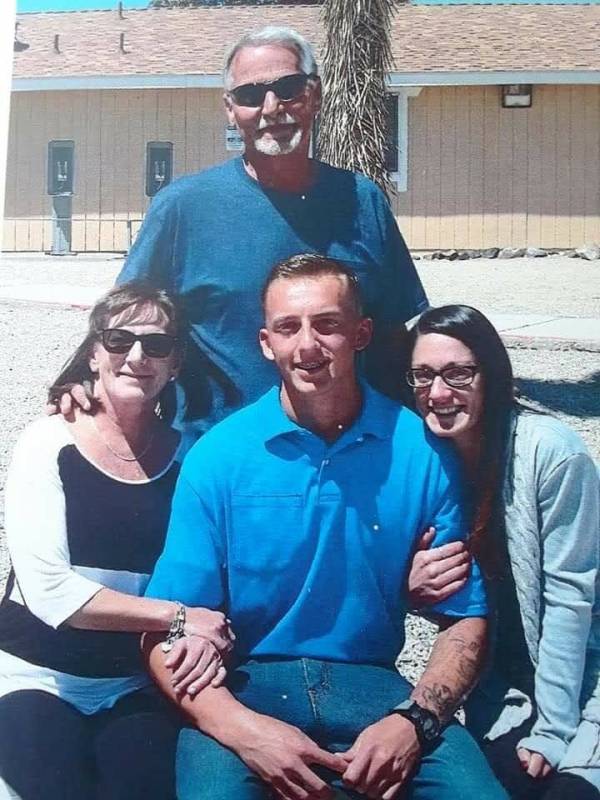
306 544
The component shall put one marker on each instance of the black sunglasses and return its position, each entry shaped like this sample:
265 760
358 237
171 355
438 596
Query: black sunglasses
252 95
154 345
455 376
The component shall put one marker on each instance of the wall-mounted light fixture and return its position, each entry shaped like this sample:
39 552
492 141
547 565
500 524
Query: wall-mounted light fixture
516 95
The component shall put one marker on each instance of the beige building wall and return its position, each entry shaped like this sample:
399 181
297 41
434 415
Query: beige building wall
478 175
110 130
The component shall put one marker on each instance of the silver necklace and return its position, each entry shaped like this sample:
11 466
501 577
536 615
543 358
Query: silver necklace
118 455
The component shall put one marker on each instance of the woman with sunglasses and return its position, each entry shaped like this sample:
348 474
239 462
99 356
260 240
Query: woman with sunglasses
87 506
535 530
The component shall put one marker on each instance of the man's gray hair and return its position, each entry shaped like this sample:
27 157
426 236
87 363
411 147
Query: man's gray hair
287 37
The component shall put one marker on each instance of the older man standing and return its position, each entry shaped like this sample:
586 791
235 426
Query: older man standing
212 237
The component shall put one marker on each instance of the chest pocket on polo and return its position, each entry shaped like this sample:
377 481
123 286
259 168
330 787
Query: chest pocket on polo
267 533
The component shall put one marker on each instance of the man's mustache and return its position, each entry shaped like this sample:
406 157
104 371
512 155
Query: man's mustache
280 119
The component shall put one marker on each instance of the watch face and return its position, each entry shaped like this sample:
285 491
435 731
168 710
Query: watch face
429 727
426 722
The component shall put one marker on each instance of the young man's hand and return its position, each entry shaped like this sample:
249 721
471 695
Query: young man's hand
382 758
282 756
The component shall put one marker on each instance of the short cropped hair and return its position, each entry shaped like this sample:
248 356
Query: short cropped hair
286 37
313 265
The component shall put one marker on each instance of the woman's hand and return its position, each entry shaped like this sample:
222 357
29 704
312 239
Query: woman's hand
436 574
196 663
211 625
534 764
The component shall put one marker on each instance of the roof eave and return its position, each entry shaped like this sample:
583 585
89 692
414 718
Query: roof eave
394 80
493 77
53 83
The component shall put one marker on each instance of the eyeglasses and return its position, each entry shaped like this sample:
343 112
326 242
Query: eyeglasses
456 377
154 345
252 95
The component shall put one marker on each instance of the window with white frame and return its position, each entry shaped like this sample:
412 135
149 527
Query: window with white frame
396 158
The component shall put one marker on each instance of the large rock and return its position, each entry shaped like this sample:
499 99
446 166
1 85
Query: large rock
490 252
511 252
535 252
589 251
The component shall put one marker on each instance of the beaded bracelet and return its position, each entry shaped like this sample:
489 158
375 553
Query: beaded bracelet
176 629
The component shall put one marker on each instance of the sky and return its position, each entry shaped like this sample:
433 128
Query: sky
24 6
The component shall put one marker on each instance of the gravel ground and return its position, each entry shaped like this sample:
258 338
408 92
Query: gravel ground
552 285
36 339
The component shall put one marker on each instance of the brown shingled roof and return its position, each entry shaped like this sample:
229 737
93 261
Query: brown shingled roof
193 40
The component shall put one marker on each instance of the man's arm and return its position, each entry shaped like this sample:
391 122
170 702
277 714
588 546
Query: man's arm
385 754
453 667
278 753
151 258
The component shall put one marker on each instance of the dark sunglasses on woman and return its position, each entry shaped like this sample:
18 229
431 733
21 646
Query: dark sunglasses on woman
154 345
252 95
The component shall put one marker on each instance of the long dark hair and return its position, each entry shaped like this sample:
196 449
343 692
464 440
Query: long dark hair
131 300
474 330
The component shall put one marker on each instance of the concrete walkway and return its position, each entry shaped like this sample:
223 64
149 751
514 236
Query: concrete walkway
554 331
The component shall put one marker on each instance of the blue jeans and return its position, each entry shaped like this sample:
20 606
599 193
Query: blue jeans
332 703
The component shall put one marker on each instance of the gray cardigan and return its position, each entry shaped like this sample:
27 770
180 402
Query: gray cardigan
551 498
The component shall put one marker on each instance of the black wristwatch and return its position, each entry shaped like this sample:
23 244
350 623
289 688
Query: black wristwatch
427 725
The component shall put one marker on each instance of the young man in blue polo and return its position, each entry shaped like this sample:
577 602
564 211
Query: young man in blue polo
298 516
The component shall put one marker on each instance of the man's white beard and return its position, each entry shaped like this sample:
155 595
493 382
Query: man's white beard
273 147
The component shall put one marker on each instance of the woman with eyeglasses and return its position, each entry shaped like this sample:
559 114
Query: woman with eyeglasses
535 498
87 506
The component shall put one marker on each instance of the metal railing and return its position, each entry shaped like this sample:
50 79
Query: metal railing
92 234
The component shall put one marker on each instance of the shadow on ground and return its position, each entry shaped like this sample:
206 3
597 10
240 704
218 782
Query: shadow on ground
577 398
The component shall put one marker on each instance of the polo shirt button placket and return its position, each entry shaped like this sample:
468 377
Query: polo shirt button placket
325 462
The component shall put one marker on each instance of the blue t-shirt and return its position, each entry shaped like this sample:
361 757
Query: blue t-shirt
212 238
306 544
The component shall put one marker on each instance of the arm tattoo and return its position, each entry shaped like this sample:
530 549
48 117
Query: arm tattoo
452 669
440 699
469 654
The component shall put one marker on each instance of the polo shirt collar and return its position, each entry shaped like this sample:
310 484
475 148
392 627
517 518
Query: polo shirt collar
274 421
378 414
377 417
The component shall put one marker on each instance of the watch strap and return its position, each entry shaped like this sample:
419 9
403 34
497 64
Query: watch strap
427 725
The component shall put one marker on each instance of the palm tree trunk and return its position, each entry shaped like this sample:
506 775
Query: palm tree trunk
357 56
